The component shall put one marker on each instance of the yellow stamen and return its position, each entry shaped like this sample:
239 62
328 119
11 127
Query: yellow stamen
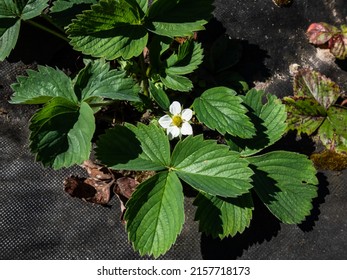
177 120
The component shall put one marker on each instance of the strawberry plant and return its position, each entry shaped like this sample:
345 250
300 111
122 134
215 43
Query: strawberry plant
143 56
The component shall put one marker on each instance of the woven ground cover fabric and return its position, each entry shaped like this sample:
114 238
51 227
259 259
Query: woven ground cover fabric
38 220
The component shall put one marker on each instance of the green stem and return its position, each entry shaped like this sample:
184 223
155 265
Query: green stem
49 19
100 104
38 25
144 77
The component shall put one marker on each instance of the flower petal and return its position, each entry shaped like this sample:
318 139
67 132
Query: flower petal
187 114
173 131
165 121
186 129
175 108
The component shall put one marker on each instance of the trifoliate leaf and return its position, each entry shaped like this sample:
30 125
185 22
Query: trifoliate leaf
223 217
210 167
187 59
41 86
61 133
286 184
96 79
11 14
159 96
268 119
309 83
177 82
333 131
178 18
304 114
219 108
155 214
132 147
111 29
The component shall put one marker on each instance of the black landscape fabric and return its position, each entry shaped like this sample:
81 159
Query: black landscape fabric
38 220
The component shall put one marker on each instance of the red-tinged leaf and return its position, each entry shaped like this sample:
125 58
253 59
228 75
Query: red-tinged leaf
337 47
321 33
343 28
310 83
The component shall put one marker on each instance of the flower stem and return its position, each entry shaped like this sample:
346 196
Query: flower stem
49 19
42 27
101 104
144 77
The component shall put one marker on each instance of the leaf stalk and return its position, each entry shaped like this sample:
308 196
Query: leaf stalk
42 27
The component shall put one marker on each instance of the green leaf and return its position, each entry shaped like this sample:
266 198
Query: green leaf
9 31
268 119
219 108
31 8
41 86
24 9
111 29
61 133
309 83
132 147
333 132
177 82
62 5
64 11
178 18
286 183
11 14
210 167
155 214
188 58
159 96
143 4
9 9
96 79
157 47
223 217
304 114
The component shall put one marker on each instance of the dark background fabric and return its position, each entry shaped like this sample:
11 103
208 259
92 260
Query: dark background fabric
38 220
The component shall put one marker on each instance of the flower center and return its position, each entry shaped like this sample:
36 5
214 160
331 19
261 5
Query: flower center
177 121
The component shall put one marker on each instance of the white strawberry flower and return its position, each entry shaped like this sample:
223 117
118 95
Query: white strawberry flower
177 124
